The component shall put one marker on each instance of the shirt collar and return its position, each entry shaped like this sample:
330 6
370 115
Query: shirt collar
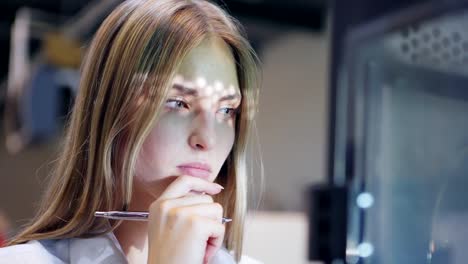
107 249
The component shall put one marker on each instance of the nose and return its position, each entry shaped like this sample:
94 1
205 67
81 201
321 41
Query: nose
203 135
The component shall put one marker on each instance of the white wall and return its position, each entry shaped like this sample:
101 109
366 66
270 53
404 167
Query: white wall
292 119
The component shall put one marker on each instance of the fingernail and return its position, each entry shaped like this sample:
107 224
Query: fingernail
222 188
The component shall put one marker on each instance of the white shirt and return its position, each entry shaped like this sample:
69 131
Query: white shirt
103 249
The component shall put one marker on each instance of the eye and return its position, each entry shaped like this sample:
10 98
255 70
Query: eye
176 103
228 111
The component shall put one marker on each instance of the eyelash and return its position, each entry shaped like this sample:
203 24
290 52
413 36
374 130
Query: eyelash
232 112
179 102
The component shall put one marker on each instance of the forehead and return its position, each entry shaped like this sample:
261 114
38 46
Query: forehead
210 63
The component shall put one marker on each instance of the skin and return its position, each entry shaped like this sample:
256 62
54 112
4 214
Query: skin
197 125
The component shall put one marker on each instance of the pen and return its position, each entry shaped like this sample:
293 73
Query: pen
135 216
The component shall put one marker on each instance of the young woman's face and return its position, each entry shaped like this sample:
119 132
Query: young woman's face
196 130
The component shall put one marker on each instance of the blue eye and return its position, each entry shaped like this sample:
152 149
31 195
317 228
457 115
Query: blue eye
175 103
228 111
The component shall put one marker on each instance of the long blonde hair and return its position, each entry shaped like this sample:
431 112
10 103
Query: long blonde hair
135 53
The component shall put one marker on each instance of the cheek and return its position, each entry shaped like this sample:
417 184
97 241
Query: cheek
159 149
225 141
147 165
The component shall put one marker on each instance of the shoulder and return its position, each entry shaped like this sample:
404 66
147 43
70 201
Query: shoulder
248 260
224 257
33 252
99 249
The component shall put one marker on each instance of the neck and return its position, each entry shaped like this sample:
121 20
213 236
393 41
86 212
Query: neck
133 238
133 235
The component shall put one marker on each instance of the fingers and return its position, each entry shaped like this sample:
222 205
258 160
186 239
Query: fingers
197 215
204 220
213 211
183 185
164 207
215 240
187 212
187 200
180 209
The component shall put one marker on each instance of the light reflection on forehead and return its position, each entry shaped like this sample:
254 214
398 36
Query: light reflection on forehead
218 86
201 82
202 88
208 91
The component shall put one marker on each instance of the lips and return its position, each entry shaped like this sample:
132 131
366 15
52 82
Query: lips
195 169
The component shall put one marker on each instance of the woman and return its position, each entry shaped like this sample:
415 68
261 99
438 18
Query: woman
166 101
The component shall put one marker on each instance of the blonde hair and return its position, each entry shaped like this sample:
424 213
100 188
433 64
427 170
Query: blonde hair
135 53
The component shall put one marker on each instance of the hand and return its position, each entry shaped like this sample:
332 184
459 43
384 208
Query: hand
185 227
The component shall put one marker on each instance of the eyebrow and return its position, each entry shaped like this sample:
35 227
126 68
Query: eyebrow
185 90
192 92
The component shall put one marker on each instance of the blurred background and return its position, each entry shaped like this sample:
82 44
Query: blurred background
362 125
